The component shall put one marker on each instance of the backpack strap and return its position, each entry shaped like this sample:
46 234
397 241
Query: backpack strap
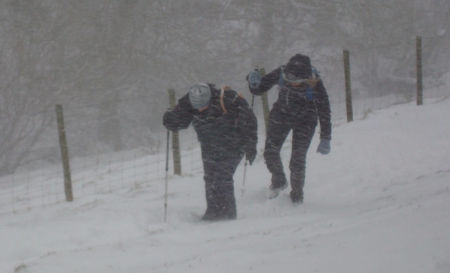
222 95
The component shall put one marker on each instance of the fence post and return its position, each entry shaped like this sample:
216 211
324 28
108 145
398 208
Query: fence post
64 153
175 139
348 86
265 100
419 70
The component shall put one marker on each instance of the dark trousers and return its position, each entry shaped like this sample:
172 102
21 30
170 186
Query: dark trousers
219 169
280 124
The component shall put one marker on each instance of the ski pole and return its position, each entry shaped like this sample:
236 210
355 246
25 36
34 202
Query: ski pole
166 186
246 161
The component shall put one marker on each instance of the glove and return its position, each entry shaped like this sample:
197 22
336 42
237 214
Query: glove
170 121
324 146
250 154
254 79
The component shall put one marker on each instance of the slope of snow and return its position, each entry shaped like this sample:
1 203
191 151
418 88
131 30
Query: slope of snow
379 202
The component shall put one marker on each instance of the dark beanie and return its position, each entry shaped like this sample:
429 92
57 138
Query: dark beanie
300 66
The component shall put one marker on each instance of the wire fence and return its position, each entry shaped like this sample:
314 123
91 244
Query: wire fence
99 167
95 168
96 174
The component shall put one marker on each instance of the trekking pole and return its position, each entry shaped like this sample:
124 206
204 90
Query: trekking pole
246 161
166 186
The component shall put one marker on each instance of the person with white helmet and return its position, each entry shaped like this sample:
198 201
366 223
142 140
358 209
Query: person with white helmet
226 129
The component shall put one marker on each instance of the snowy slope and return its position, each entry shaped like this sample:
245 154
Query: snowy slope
380 202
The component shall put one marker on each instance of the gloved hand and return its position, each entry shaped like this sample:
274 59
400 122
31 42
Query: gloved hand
324 146
170 121
254 79
250 153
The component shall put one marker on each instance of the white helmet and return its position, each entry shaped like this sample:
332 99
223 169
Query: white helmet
199 95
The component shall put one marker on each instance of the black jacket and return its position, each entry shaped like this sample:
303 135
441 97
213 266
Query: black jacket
218 131
295 101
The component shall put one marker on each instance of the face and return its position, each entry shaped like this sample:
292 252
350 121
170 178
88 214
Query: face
300 70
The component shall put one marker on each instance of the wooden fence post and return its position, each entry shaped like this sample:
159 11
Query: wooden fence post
64 153
348 86
175 139
265 101
419 70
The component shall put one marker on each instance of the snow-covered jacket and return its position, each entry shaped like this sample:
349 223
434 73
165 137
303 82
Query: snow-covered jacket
230 127
294 100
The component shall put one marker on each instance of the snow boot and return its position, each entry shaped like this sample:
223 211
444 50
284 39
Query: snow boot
296 197
209 216
277 187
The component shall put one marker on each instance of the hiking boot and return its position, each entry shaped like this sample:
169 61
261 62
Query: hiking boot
225 214
274 191
296 197
209 217
210 214
218 217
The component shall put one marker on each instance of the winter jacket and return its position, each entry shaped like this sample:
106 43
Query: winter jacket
296 102
220 131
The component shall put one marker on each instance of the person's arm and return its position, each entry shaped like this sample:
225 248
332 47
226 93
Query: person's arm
323 109
267 82
180 117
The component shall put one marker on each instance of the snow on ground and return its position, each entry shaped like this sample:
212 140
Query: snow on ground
380 202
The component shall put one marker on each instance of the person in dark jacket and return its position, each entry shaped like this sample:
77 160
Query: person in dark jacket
302 101
226 129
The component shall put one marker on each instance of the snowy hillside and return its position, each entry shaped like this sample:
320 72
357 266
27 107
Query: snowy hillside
380 202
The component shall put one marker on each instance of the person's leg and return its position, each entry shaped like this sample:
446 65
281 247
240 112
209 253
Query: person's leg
226 200
209 168
301 139
219 185
225 186
277 132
